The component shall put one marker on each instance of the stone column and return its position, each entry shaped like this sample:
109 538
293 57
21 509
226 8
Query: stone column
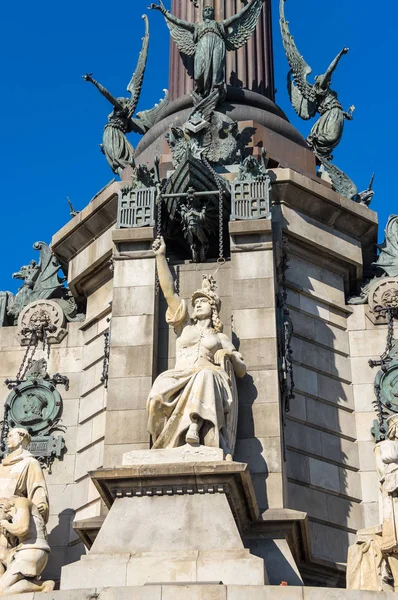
251 67
132 347
260 434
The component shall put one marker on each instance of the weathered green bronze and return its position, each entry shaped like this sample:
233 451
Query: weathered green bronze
40 282
117 149
208 41
310 99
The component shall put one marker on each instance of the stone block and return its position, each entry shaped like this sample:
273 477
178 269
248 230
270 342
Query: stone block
132 331
303 324
259 420
126 426
364 422
262 455
93 509
63 470
152 592
370 486
250 265
58 528
361 371
278 559
321 414
293 298
345 512
8 338
147 569
269 490
330 543
230 570
340 450
306 499
194 592
369 343
339 594
87 260
90 332
131 361
88 573
134 273
10 362
133 301
298 409
70 438
364 397
254 323
93 351
322 282
335 391
75 335
99 301
240 592
311 355
305 380
356 320
129 393
332 337
258 387
314 307
297 466
302 437
324 475
88 460
253 293
350 484
371 513
259 354
91 378
113 455
181 454
366 456
338 316
91 404
65 360
70 411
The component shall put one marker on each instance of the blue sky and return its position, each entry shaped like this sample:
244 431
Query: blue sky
53 120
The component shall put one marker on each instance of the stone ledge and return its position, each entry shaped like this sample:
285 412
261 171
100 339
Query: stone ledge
231 478
202 591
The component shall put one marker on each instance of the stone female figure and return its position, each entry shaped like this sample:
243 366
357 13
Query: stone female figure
196 402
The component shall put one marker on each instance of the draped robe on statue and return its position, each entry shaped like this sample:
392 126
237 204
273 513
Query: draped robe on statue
195 387
209 56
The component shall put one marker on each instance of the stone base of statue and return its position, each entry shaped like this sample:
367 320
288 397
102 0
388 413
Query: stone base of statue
176 522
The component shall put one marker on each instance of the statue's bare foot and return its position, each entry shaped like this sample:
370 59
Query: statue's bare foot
192 436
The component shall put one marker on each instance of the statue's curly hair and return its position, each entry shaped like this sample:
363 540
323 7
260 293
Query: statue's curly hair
215 318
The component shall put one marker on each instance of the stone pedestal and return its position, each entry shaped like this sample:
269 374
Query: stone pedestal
177 522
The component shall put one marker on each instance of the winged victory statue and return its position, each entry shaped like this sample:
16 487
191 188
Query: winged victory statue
209 40
116 147
308 100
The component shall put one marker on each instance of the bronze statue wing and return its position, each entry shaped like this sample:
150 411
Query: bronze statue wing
147 118
240 27
48 280
183 38
135 85
302 93
388 257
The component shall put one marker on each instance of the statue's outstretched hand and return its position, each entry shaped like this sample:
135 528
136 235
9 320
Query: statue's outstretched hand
159 247
159 6
345 50
87 77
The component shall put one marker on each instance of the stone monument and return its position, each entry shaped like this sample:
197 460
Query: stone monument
225 309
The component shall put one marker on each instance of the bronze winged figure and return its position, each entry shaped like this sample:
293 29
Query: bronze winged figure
208 41
310 99
116 147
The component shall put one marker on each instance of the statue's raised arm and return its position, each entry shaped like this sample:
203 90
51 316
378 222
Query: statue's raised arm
165 277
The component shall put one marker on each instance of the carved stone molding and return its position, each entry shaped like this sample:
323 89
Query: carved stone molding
44 319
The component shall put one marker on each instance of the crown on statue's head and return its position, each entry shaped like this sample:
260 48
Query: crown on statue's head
208 291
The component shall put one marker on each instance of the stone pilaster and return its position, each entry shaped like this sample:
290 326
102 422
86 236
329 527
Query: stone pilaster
132 343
